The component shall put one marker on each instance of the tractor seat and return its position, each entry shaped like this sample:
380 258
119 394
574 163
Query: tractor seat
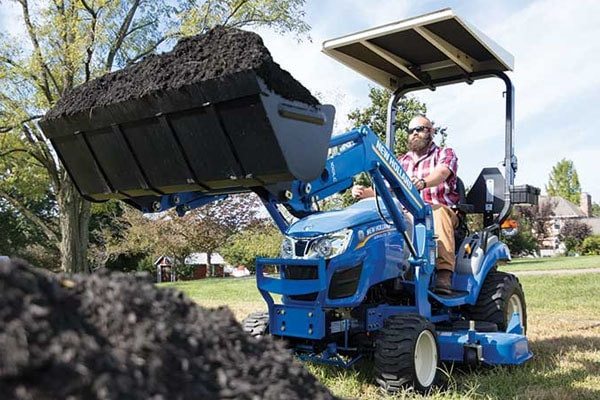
462 204
462 208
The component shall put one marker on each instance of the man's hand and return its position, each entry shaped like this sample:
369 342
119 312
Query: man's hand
419 183
361 192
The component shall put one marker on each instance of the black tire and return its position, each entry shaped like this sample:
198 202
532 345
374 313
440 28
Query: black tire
256 324
406 354
500 294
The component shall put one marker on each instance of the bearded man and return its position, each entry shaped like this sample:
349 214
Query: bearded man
433 171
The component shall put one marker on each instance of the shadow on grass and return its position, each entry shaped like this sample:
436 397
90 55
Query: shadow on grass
558 370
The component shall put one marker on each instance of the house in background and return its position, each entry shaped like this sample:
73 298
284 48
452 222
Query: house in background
199 261
564 211
166 270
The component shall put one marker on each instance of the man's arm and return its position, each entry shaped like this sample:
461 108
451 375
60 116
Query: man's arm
439 175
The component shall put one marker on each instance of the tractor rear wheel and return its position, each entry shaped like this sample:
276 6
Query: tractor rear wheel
406 354
501 295
256 324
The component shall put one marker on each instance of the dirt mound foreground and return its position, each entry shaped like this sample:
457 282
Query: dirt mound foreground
117 336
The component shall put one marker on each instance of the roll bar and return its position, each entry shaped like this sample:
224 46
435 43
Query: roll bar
510 160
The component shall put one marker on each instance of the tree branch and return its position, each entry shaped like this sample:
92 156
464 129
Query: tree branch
14 64
118 42
90 48
234 11
8 128
149 50
44 155
38 54
50 234
142 26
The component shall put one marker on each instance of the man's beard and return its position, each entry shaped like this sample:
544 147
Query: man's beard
418 145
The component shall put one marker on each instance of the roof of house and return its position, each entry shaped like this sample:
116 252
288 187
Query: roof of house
562 208
201 259
163 260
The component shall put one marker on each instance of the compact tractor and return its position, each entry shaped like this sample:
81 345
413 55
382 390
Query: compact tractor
355 282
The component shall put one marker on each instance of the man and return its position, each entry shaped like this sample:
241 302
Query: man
433 172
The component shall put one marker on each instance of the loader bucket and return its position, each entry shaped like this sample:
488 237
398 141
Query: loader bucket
221 135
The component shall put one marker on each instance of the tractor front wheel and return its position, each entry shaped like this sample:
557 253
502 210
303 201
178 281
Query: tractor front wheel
256 324
406 354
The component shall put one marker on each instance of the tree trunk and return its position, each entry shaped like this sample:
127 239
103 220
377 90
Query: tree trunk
74 228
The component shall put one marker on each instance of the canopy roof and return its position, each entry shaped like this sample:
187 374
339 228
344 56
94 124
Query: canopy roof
433 47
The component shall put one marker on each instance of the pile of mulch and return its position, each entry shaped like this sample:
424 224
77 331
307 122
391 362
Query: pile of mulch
215 55
117 336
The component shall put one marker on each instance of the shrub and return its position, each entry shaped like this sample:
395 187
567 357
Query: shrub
591 245
573 234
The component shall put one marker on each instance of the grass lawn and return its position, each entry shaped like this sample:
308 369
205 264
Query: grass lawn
550 263
564 334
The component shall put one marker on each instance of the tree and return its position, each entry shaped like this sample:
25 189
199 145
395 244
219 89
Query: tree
375 117
205 229
595 210
262 240
539 218
573 233
524 242
70 42
591 245
564 182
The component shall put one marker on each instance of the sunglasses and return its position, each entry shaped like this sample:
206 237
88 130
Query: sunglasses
417 129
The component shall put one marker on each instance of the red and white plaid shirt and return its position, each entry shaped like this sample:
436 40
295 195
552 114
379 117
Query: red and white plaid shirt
421 167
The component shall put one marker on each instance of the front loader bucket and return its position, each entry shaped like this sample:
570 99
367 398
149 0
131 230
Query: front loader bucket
222 135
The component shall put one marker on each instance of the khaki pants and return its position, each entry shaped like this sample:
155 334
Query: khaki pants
444 223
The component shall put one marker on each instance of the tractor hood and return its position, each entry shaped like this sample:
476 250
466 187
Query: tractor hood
359 213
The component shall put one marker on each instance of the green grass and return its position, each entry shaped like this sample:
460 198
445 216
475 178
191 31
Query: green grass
550 263
564 335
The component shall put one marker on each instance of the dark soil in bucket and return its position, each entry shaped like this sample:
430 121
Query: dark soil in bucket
118 336
214 55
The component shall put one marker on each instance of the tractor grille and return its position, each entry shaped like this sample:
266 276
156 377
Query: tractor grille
344 283
300 247
302 272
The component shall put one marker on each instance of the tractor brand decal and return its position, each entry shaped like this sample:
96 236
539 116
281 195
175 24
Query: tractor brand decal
374 231
333 175
395 167
376 228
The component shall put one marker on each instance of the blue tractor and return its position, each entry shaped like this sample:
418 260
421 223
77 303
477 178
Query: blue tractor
355 282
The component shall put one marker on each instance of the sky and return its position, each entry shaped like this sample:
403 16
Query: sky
556 46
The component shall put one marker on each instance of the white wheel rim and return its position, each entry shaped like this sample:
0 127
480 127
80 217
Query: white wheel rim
514 306
426 358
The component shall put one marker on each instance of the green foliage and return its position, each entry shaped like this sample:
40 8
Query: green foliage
263 240
564 181
595 210
524 242
573 233
591 245
375 116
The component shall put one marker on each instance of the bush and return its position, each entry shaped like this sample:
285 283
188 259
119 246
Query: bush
591 245
573 233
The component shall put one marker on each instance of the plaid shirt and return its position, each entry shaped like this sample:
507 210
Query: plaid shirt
421 167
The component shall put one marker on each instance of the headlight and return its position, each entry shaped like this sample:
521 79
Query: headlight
330 245
287 248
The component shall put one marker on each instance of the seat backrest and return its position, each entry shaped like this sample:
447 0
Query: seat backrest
487 193
462 205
